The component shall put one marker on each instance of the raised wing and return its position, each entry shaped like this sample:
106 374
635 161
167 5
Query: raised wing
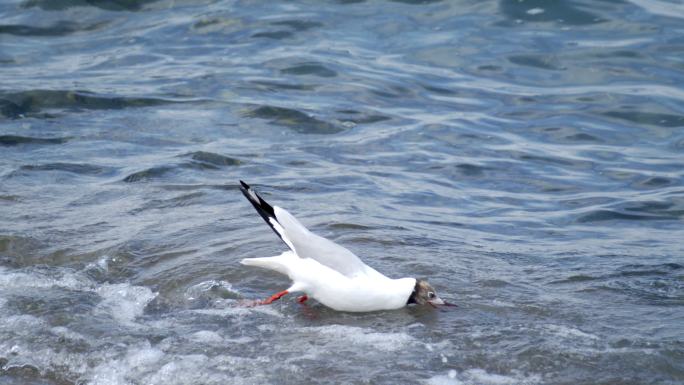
303 242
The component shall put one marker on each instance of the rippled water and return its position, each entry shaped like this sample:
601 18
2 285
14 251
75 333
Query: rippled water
526 156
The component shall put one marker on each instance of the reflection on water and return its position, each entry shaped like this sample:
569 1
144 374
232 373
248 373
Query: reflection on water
525 156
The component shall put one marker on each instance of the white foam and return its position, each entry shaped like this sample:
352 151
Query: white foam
21 324
31 340
206 336
101 264
201 289
123 301
66 333
499 303
481 376
240 340
39 279
154 366
137 361
364 338
123 356
569 333
233 308
144 357
477 376
177 371
25 353
445 379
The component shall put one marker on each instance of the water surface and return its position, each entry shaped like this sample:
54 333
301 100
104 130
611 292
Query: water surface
525 156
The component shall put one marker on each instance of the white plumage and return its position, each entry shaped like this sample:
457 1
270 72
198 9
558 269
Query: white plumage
335 290
326 271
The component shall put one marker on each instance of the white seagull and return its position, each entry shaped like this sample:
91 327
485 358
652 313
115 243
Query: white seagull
330 273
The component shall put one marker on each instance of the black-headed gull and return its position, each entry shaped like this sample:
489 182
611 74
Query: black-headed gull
330 273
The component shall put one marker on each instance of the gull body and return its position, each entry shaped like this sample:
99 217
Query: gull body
330 273
335 290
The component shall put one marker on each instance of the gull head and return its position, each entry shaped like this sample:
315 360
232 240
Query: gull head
424 293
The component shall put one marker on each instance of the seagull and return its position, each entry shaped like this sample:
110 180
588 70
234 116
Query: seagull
329 273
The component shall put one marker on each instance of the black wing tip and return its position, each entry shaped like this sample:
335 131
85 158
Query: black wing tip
245 189
262 207
257 201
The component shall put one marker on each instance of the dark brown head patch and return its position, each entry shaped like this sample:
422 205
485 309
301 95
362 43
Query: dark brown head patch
422 293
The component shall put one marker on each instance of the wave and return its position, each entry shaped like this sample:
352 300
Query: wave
16 140
295 120
18 104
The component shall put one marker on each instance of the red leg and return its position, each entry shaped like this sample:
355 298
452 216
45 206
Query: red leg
302 299
266 301
274 297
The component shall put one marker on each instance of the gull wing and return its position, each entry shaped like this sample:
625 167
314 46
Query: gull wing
303 242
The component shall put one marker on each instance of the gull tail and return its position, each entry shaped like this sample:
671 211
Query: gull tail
278 263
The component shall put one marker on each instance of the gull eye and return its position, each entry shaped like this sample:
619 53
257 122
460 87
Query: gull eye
431 294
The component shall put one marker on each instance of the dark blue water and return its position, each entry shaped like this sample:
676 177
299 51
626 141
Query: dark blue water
525 156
